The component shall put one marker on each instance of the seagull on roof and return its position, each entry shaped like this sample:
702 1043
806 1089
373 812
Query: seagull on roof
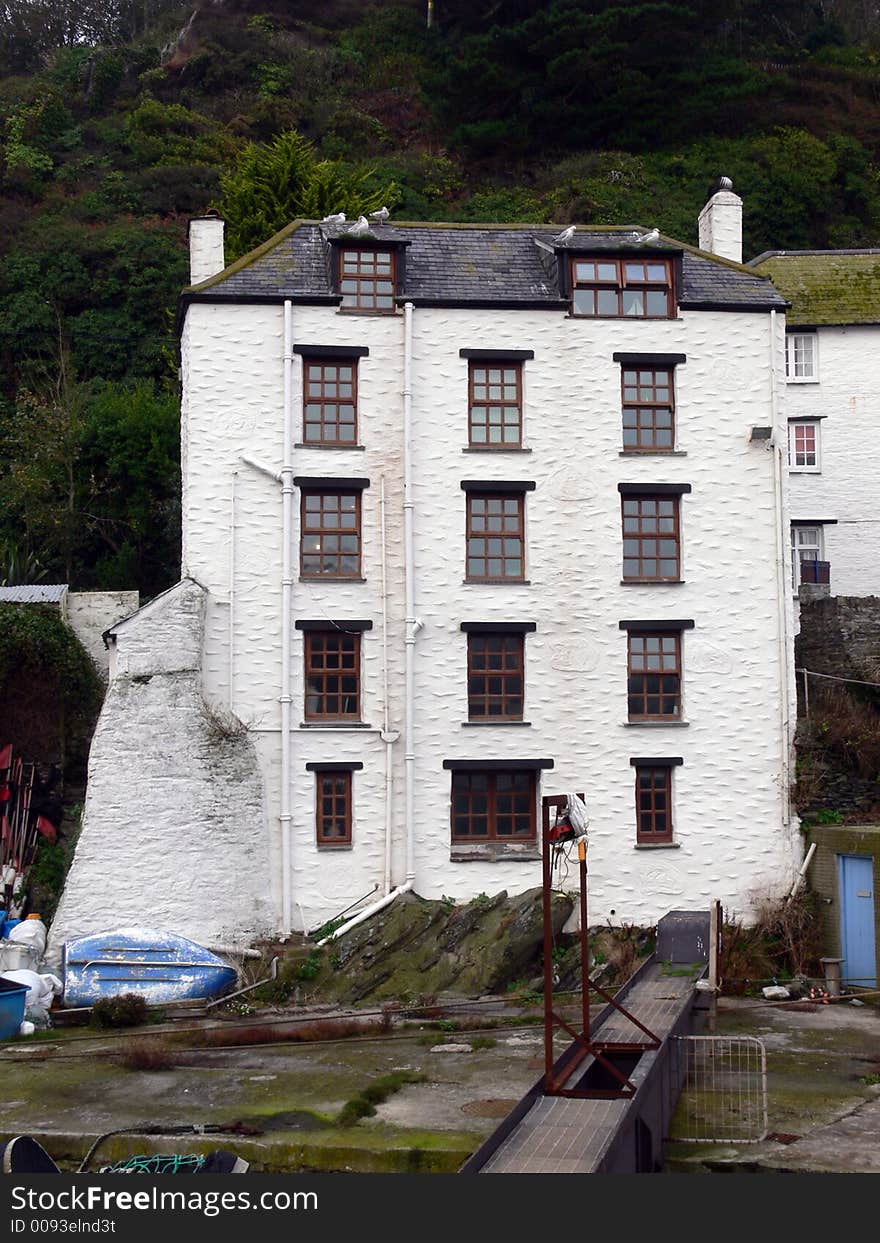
381 215
565 236
647 239
337 218
360 227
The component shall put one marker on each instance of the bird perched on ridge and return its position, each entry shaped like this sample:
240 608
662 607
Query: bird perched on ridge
647 239
381 215
360 227
336 218
565 236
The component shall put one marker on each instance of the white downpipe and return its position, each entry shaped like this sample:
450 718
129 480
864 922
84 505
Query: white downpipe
286 612
781 585
367 912
387 737
232 593
412 625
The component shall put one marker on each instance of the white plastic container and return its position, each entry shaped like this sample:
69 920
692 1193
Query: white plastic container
14 957
30 932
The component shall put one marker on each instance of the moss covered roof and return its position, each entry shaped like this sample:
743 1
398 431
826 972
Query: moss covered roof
826 286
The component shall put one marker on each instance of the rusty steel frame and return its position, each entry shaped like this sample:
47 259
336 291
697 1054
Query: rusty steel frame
583 1045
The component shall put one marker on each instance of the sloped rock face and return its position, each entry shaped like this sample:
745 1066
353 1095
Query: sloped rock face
417 948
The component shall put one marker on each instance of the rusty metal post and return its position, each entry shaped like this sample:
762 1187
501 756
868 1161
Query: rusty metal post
548 948
585 940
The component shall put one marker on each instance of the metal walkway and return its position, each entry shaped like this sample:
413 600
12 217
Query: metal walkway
562 1135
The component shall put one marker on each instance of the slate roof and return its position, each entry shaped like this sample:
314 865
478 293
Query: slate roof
47 593
825 286
474 265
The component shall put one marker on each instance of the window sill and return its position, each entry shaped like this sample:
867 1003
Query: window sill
657 846
335 725
496 449
652 453
628 319
805 470
655 724
328 578
312 444
334 845
357 310
494 852
481 724
813 379
652 582
497 582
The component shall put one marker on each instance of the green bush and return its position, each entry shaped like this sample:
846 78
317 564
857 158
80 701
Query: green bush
125 1010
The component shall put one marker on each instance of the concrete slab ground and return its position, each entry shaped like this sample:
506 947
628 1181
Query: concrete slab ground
823 1078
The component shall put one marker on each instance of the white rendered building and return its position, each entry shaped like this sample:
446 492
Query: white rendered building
833 409
477 514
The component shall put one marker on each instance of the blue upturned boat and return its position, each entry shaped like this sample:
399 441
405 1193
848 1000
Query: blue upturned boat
160 966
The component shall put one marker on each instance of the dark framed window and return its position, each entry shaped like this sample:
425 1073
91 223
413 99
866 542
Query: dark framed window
493 806
654 676
648 409
333 808
332 675
606 287
330 541
495 676
653 804
367 278
651 539
495 403
495 537
330 401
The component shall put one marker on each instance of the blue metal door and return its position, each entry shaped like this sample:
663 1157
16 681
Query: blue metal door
856 887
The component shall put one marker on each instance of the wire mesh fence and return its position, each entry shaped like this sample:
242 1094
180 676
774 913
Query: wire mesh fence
724 1090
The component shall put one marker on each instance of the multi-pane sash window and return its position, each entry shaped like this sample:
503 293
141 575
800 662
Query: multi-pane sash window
330 543
333 808
648 409
651 543
495 419
495 537
332 675
653 804
493 806
330 401
801 357
495 676
807 565
803 445
654 676
638 288
366 279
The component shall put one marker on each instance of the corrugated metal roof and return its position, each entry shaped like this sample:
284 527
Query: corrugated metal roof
826 286
37 593
479 264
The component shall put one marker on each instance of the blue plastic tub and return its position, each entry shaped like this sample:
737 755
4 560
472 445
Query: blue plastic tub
8 926
12 1000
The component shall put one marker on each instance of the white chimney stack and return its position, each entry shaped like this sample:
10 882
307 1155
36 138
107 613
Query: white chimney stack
721 222
205 248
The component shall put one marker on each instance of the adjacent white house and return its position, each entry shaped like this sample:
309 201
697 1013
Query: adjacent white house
832 344
481 514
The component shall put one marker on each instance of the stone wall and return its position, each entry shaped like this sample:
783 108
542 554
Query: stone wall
91 613
840 635
174 832
831 842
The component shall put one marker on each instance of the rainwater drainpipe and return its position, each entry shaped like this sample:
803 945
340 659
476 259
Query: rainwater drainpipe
286 612
413 626
781 584
389 736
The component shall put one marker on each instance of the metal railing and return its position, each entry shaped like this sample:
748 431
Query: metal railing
724 1093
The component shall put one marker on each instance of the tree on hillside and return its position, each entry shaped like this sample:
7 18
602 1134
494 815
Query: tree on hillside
274 183
32 29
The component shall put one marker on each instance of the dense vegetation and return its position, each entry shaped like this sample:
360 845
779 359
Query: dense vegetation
120 118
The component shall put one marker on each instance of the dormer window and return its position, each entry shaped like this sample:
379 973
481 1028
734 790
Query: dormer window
367 278
622 288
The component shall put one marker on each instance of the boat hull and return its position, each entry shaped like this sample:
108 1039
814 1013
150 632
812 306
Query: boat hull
159 966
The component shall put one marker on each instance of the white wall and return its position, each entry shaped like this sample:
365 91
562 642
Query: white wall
848 486
91 613
728 796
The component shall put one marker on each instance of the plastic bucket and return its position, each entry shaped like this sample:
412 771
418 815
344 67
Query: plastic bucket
12 1000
